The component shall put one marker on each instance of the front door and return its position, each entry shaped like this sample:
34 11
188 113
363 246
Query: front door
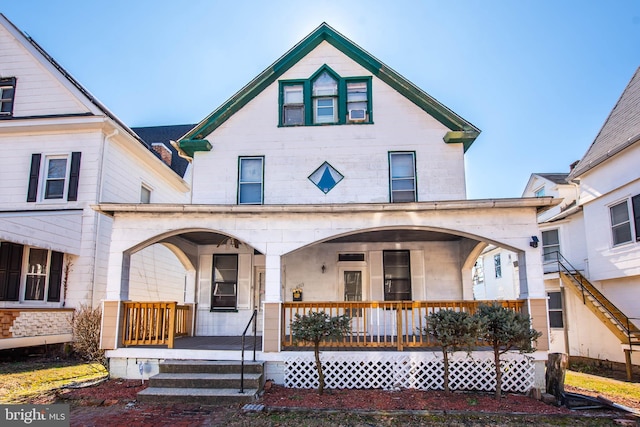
352 292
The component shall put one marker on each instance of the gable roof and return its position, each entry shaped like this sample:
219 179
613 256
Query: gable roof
461 131
556 178
620 130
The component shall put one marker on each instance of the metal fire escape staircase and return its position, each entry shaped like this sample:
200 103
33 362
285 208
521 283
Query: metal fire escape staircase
611 316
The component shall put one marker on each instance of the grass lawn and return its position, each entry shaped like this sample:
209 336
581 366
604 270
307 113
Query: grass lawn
21 380
611 388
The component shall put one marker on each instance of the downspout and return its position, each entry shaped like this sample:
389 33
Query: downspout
98 198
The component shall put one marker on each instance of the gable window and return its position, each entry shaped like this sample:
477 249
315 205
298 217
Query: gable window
325 98
293 105
497 263
555 310
224 291
539 192
250 180
60 177
42 273
397 275
145 194
402 176
7 94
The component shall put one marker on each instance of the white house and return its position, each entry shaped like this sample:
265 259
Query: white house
63 151
329 182
591 241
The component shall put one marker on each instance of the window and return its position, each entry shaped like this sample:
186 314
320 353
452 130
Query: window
42 273
293 105
224 291
325 98
539 192
145 194
550 246
397 275
250 180
555 310
60 177
7 94
497 262
402 171
620 223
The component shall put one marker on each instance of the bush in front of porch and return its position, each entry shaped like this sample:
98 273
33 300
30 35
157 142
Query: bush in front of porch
317 326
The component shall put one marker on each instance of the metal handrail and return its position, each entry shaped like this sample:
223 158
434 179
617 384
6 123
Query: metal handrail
253 319
571 271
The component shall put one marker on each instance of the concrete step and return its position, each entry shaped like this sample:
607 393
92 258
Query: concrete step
205 380
210 366
203 396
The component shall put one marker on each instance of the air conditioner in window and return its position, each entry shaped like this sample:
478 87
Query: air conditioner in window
359 115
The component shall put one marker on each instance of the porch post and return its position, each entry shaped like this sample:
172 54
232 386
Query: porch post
116 292
272 304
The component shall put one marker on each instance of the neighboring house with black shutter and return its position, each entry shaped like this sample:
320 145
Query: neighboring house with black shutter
590 243
63 151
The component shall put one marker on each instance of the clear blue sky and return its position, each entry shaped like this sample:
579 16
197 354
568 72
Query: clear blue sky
538 77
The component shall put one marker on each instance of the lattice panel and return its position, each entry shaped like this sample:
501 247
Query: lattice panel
423 371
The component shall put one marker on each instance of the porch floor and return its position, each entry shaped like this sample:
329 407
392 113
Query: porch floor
210 343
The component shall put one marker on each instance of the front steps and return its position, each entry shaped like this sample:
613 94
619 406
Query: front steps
204 381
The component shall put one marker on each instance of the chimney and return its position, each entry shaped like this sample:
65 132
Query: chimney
163 152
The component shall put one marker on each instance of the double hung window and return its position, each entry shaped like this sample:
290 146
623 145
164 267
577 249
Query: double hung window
325 99
550 249
625 221
224 292
250 180
7 94
497 263
402 176
357 105
55 177
555 310
293 105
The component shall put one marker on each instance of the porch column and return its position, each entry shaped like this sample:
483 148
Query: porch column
532 289
118 276
272 304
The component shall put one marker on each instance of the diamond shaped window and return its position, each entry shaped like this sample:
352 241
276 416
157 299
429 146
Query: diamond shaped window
326 177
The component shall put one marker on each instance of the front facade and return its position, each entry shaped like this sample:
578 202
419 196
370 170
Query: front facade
328 183
63 153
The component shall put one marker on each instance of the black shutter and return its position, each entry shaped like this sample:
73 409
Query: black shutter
74 177
10 268
55 276
32 193
635 201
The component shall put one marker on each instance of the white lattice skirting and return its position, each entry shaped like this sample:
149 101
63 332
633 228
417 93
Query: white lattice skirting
422 371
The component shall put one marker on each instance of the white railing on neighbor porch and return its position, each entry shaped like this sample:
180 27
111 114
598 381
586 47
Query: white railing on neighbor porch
154 323
376 324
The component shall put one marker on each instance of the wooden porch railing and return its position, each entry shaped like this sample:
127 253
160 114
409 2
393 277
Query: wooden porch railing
395 324
154 323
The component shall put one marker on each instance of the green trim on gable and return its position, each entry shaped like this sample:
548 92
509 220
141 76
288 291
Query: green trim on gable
190 146
464 137
325 33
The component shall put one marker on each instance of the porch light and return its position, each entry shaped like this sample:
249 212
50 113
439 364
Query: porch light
534 242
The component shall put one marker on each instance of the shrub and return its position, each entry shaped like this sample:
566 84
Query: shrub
453 330
504 329
316 326
86 334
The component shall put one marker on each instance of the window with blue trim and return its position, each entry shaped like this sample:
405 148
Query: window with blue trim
325 98
250 180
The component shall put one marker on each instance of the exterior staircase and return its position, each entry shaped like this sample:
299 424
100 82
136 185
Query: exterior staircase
204 381
612 317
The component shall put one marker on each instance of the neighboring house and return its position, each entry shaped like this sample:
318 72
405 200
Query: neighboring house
63 152
593 285
496 275
332 183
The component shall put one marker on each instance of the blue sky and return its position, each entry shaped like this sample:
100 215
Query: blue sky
538 77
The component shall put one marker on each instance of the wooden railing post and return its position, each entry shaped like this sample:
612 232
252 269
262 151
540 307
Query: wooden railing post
171 307
399 334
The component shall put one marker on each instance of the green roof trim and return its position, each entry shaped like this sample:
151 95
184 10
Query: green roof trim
465 137
325 33
190 146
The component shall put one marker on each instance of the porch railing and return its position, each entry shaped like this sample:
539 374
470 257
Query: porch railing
391 324
154 323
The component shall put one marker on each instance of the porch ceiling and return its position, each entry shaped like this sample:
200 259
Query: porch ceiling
397 236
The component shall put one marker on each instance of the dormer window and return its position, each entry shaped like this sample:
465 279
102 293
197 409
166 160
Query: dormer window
325 98
7 94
